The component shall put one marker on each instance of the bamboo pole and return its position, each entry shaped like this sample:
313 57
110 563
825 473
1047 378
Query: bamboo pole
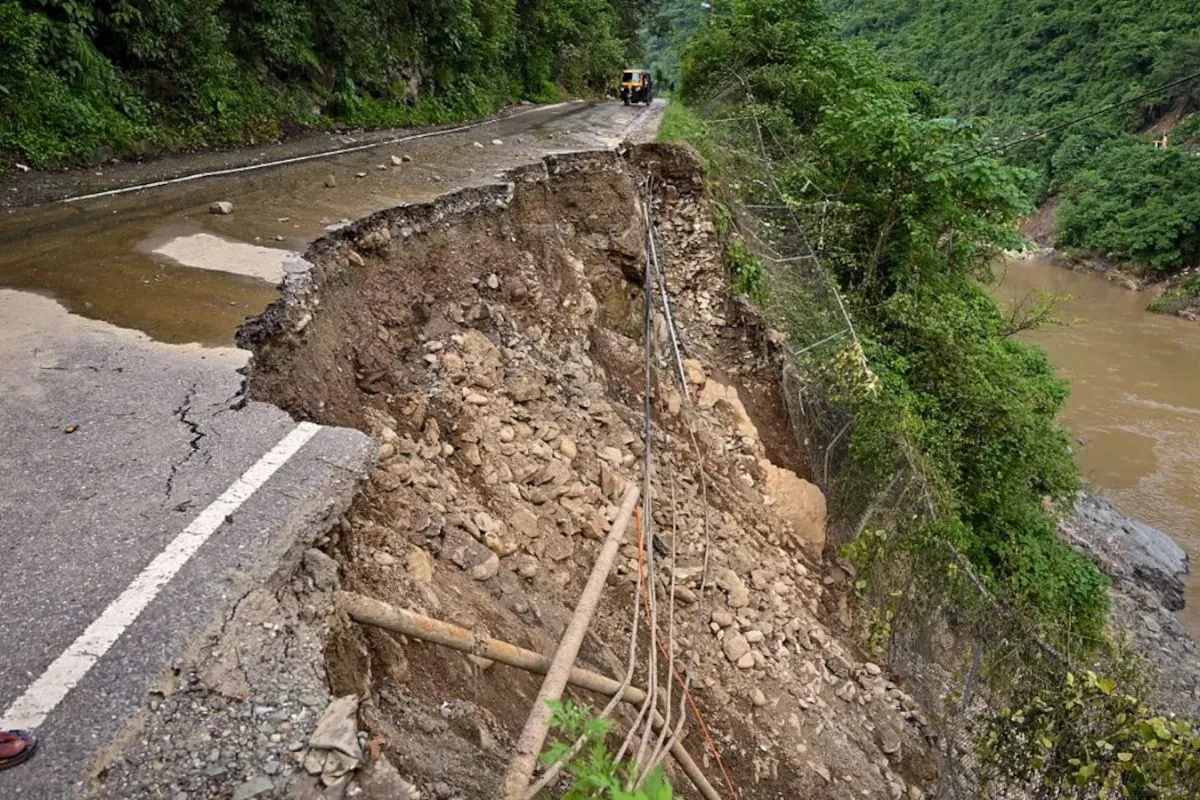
533 736
367 611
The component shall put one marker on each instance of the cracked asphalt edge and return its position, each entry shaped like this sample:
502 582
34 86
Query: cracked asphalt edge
182 413
241 702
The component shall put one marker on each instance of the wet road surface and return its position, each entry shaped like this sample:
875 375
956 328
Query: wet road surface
104 258
126 439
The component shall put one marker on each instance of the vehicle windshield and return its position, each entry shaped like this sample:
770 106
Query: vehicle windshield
628 77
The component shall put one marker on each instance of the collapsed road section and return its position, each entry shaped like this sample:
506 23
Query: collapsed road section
500 348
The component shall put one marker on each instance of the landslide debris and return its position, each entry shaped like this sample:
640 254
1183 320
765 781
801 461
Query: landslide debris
492 342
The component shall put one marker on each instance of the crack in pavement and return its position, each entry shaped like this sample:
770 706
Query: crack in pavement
181 413
239 399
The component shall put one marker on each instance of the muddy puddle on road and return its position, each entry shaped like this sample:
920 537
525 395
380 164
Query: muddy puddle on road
1135 400
103 275
492 343
158 262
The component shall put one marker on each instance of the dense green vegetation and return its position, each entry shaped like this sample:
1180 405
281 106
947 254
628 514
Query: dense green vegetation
1093 736
914 235
79 79
666 34
908 221
1029 65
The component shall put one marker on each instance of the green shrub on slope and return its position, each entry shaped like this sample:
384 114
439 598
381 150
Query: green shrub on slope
911 223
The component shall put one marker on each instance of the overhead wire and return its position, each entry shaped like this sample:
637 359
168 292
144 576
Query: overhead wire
646 550
647 760
1072 122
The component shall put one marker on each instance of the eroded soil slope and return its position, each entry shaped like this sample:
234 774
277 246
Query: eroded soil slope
493 343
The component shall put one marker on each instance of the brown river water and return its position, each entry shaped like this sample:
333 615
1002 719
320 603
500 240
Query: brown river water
1135 399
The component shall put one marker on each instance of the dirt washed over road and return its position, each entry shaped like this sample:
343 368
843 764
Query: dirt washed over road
157 261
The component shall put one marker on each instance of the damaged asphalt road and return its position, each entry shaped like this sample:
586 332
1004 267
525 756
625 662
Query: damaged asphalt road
123 444
155 439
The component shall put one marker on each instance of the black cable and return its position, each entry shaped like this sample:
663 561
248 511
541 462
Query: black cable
1040 134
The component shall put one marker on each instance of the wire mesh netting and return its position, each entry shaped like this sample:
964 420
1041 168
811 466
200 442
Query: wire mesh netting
919 604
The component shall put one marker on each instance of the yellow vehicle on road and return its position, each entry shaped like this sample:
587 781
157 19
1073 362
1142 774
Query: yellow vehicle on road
636 86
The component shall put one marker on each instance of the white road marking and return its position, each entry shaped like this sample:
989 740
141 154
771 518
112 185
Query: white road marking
43 696
297 159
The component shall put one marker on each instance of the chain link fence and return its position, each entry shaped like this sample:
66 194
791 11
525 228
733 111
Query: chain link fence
919 605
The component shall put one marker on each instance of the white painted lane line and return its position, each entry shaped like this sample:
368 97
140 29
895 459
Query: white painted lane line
31 709
297 159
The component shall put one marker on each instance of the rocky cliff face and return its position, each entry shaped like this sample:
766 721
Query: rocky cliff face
1147 570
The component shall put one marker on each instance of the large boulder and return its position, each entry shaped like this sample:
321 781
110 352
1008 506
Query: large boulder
1147 571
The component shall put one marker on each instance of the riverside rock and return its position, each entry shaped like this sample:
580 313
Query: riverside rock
1147 569
1129 550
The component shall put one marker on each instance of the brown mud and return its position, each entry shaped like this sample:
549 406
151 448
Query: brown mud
492 341
37 187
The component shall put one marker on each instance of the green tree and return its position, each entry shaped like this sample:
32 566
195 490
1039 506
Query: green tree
77 76
1030 65
918 224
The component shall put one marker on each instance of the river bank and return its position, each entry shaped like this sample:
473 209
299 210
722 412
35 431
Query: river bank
1148 570
1133 410
1177 295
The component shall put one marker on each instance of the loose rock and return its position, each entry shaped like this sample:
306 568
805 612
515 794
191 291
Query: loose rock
322 569
487 569
419 565
735 646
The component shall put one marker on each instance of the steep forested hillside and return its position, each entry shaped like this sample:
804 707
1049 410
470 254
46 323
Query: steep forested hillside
910 225
80 76
669 30
1028 65
805 130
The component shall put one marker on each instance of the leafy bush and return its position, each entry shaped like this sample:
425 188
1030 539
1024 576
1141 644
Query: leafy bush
1088 737
749 272
910 227
594 771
